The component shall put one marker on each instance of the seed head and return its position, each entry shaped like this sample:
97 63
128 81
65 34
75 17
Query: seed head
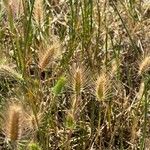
8 71
114 66
34 121
78 80
144 65
59 85
14 123
34 146
141 90
14 7
38 11
50 53
101 87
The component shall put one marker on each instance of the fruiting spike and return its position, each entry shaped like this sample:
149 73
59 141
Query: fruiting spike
14 123
101 87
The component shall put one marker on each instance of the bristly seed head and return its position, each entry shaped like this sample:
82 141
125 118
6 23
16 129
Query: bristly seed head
38 11
50 53
14 7
7 71
114 67
144 66
34 121
141 91
78 80
101 87
14 123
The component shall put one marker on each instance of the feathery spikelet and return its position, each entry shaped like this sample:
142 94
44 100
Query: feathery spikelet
59 85
38 11
14 7
78 81
14 123
101 87
34 121
141 90
144 66
33 146
70 120
8 71
75 103
114 67
49 54
17 7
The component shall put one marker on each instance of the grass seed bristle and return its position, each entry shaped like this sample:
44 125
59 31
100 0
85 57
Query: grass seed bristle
78 81
51 53
9 72
101 86
144 66
38 11
14 124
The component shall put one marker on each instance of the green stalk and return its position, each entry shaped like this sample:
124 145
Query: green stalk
123 23
27 35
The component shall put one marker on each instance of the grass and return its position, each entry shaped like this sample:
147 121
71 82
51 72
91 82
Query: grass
74 75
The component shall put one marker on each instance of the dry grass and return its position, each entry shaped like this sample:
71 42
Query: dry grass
80 70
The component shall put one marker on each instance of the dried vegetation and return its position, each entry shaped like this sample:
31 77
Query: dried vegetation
74 75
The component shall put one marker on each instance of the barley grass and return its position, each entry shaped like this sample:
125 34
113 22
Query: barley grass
79 71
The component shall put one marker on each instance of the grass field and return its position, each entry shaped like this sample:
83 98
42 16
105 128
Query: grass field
74 75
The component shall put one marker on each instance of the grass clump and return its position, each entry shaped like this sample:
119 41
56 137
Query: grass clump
74 68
